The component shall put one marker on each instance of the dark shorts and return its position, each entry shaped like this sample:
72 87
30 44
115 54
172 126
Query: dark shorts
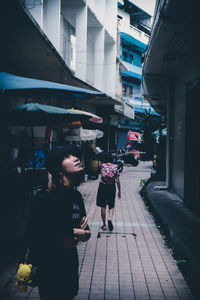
106 195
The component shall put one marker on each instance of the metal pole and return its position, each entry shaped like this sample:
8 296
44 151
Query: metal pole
108 146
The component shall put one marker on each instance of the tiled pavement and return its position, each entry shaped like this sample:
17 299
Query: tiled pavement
132 262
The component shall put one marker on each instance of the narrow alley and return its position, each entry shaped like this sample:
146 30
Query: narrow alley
132 262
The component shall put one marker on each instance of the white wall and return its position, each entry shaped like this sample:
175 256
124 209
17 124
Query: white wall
110 69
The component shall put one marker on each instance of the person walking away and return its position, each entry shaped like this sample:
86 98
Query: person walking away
57 223
107 189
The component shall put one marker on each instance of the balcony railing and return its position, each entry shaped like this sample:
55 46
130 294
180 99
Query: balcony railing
134 32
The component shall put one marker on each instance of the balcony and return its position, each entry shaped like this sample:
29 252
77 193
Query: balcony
133 34
130 70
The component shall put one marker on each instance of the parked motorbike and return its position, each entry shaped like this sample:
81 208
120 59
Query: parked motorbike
118 160
131 159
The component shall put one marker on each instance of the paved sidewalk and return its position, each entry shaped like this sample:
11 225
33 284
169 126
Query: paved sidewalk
130 263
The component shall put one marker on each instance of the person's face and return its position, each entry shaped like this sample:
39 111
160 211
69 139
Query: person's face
71 165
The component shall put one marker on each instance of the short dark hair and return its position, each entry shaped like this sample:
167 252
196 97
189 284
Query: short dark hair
56 156
106 157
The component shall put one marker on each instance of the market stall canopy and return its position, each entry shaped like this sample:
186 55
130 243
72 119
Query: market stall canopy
23 86
35 114
77 124
85 135
93 118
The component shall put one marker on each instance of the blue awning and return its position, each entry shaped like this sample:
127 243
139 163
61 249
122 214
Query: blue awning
23 86
133 41
148 110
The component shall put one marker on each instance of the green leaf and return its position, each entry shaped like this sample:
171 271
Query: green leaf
180 261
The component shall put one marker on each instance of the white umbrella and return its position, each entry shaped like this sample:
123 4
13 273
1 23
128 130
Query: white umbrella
84 135
93 118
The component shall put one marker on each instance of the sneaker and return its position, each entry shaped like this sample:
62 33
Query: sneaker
110 225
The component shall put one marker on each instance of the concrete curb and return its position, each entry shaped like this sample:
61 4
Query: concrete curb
182 229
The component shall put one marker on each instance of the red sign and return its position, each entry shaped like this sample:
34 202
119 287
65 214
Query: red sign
132 136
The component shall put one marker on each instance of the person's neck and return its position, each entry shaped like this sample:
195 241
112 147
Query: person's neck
68 182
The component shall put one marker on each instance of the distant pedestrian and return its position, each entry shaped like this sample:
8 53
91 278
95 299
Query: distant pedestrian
57 223
107 189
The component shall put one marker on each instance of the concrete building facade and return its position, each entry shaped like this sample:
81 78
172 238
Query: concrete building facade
171 84
84 33
134 25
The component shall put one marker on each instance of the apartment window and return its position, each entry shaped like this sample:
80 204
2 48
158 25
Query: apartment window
69 44
124 89
130 91
131 58
125 56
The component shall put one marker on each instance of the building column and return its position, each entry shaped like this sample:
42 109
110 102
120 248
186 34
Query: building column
36 9
81 42
51 24
99 59
110 69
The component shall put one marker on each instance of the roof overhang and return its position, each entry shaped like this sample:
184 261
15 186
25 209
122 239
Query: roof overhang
170 45
136 12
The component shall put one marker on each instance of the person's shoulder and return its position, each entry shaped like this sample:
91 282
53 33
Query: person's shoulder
77 193
38 199
40 193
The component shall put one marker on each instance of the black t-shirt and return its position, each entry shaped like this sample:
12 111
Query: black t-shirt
53 216
78 209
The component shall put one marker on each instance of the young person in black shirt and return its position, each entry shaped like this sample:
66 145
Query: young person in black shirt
57 223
